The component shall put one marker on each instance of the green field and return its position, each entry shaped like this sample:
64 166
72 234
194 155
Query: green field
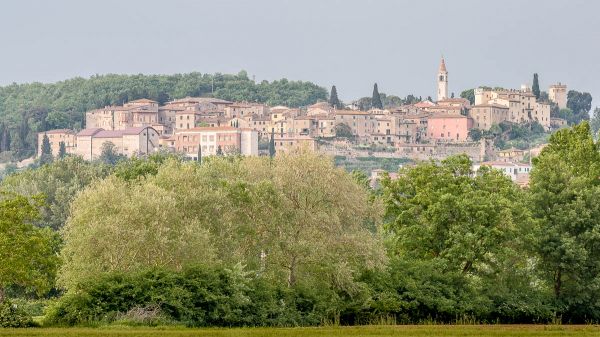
407 330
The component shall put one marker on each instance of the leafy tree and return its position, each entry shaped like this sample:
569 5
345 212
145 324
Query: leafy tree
62 150
46 151
109 154
137 167
595 122
376 99
146 228
475 134
58 182
564 192
460 238
365 103
343 130
580 104
333 98
535 87
444 211
27 253
469 94
58 120
411 99
295 219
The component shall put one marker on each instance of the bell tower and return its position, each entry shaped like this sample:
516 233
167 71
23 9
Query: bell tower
442 82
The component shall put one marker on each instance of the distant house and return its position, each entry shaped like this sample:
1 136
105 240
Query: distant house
448 127
56 137
511 155
516 171
208 141
129 142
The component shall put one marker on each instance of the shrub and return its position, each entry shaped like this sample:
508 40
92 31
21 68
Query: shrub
13 316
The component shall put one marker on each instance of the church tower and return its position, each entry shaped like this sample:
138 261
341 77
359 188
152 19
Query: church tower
442 82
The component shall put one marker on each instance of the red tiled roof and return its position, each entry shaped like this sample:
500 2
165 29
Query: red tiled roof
89 132
143 100
57 131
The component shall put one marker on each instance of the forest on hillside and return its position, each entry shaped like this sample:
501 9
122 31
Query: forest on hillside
26 109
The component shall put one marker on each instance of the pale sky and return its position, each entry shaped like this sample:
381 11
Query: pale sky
349 43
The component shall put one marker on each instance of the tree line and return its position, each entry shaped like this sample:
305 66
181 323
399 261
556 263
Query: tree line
293 240
26 109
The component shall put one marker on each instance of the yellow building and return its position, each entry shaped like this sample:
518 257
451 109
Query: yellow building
129 142
486 115
56 137
557 93
287 144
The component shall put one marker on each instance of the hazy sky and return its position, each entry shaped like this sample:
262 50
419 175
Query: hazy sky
351 44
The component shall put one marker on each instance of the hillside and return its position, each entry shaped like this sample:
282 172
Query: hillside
26 109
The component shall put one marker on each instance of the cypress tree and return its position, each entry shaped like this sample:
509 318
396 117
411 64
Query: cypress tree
4 139
333 98
272 144
199 153
535 88
376 100
62 150
46 154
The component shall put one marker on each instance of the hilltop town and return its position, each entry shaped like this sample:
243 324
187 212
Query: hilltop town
427 129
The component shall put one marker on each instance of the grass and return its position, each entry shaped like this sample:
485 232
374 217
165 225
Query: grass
361 331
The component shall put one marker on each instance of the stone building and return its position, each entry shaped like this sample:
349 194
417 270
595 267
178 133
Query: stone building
448 127
557 93
128 142
486 115
212 140
56 137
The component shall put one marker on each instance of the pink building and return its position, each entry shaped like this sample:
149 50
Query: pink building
448 127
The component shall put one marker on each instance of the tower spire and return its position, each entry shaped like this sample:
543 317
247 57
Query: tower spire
442 81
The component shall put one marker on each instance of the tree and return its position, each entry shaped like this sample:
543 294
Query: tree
343 130
376 99
4 139
469 94
333 98
580 103
364 103
535 87
445 211
297 219
272 144
46 151
565 189
199 153
62 150
109 154
58 182
458 240
27 253
475 134
595 122
146 228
